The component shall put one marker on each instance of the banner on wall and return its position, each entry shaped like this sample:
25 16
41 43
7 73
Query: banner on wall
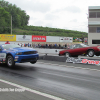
23 38
82 61
38 38
52 39
66 39
5 37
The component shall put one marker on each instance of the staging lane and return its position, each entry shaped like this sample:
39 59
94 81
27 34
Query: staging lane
61 81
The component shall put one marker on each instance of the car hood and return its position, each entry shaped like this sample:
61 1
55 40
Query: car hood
21 49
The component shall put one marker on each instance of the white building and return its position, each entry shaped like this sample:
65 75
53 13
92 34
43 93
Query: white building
94 25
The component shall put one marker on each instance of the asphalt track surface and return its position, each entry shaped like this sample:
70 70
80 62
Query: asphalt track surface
50 80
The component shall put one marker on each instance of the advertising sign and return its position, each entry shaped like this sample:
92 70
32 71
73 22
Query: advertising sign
23 38
83 61
66 39
4 37
52 39
38 38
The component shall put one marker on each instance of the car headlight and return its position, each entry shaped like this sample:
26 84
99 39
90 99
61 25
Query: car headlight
19 53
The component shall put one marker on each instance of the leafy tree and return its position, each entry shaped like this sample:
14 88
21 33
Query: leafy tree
20 21
19 17
4 20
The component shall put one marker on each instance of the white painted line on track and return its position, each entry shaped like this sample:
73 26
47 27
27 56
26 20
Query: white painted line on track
95 69
48 63
78 67
62 65
31 90
55 64
83 68
71 66
86 68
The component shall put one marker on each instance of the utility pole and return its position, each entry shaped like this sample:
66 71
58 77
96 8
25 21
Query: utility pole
11 24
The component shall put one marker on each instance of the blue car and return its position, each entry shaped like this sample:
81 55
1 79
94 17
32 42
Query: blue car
12 53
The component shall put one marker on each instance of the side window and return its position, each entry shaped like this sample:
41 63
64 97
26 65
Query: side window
92 14
78 46
98 29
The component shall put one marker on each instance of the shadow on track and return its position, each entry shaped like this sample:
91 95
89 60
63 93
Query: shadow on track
19 67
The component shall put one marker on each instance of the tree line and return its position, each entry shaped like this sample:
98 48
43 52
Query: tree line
20 23
19 17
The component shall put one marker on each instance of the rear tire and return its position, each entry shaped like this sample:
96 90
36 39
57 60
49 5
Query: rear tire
90 53
10 61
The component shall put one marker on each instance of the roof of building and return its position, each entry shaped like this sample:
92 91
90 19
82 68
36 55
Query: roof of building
94 7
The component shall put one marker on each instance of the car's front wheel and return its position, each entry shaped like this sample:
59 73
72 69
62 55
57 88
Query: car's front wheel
10 61
67 54
90 53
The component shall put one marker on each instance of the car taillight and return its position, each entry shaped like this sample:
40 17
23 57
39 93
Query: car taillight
98 47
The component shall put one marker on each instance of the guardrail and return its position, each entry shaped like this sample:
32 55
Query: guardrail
50 55
48 51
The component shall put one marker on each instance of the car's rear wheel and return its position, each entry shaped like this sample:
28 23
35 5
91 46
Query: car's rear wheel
10 61
33 62
67 54
90 53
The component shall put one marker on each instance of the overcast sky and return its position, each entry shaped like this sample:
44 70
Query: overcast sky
63 14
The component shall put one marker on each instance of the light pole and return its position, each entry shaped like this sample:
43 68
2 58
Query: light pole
11 24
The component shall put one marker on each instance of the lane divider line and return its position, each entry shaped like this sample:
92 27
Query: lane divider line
62 65
71 66
55 64
31 90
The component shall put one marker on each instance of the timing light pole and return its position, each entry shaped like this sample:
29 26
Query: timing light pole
11 24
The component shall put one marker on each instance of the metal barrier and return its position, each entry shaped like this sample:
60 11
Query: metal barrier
48 51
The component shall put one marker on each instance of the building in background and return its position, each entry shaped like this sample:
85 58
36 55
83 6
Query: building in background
94 25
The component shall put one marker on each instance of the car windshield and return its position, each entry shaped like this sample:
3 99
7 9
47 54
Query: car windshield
84 45
8 46
77 46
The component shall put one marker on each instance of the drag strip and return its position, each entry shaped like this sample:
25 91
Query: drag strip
59 79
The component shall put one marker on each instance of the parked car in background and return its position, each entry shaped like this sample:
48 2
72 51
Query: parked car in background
13 53
80 49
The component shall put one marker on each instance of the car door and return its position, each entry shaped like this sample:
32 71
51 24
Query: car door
2 55
77 50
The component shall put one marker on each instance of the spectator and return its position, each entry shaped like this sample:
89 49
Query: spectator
7 42
65 46
28 45
59 46
46 45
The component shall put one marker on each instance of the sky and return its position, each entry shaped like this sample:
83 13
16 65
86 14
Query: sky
62 14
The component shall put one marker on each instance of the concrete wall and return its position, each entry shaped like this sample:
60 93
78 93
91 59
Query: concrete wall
93 36
94 19
93 22
48 51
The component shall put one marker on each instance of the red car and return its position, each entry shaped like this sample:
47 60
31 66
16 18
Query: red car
80 49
